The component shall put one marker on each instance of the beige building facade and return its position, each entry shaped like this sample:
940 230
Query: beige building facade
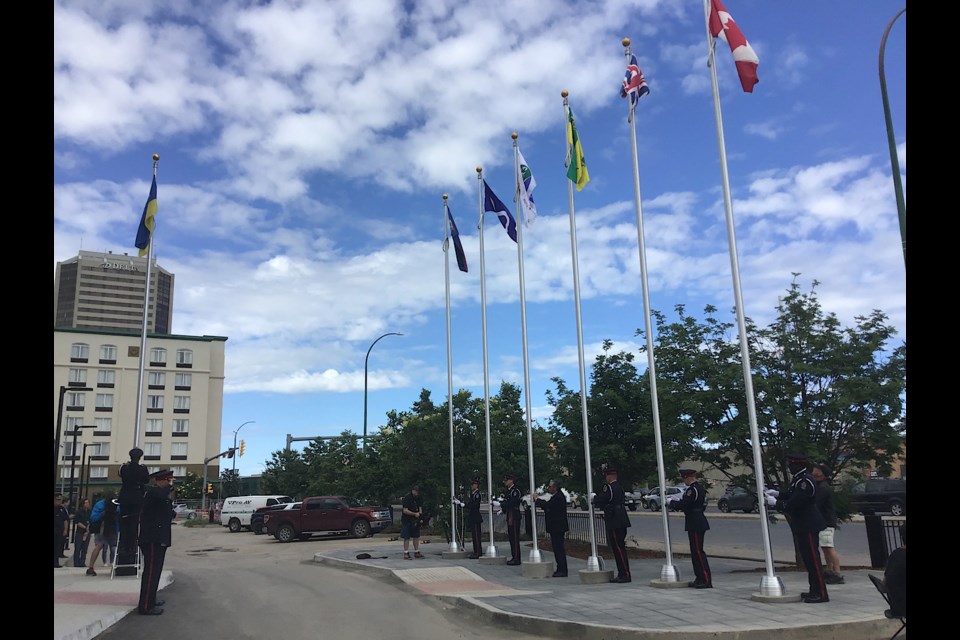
181 409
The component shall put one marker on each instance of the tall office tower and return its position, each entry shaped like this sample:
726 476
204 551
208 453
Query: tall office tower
104 291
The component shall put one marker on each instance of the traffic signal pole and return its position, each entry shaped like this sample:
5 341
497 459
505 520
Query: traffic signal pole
229 453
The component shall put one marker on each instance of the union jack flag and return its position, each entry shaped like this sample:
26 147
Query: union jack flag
634 84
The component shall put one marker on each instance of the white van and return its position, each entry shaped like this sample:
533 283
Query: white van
235 513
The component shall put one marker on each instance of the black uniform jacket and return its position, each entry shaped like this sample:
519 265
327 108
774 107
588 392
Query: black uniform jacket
134 478
611 500
692 504
156 515
511 506
555 513
473 508
800 503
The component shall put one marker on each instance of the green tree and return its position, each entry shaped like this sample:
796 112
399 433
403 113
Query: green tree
619 416
230 482
286 473
190 487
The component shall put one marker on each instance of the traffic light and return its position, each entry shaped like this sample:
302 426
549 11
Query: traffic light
209 487
243 446
230 452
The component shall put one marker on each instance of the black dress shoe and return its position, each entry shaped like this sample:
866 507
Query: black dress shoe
156 611
693 584
703 586
473 556
811 599
513 563
159 603
559 574
620 580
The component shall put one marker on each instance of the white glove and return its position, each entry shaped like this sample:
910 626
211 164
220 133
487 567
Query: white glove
458 502
499 511
496 504
592 496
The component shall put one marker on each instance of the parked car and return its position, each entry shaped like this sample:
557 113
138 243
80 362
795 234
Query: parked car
738 499
880 495
256 518
184 512
329 515
671 494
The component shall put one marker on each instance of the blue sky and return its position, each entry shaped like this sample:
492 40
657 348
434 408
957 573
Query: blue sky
305 148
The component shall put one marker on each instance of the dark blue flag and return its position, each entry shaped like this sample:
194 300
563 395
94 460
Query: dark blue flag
457 247
492 203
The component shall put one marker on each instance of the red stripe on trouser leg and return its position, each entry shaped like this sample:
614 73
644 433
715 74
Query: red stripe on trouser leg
149 562
698 540
815 555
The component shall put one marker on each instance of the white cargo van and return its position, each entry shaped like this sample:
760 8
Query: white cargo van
235 513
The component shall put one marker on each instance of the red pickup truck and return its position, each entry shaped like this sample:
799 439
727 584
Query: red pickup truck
329 515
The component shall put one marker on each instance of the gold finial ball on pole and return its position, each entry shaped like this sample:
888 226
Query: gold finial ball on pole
445 196
479 169
564 93
514 135
156 157
625 42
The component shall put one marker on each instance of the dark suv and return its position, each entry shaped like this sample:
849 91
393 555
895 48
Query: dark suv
880 495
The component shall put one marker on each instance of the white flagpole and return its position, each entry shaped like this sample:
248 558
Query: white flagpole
770 584
593 562
143 328
492 549
454 544
668 573
535 551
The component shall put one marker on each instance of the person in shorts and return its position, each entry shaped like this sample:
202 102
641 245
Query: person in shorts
412 512
831 559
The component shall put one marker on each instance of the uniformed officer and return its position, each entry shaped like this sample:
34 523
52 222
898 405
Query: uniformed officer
692 504
511 506
474 518
612 500
155 517
555 519
806 522
134 478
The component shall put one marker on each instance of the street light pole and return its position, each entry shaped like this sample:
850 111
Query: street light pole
365 363
56 440
83 470
891 141
73 452
236 431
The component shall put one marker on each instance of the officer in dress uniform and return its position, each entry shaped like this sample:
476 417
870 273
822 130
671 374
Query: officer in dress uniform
474 518
612 500
799 502
555 519
695 524
511 506
134 478
155 517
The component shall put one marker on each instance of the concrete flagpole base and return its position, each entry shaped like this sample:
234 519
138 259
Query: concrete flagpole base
537 569
603 576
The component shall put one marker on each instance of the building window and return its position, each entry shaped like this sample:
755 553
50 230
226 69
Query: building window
70 449
75 400
104 402
178 451
106 378
78 377
103 426
184 381
179 472
184 358
65 472
158 357
181 404
152 469
108 354
73 424
156 379
181 426
154 404
98 472
99 450
79 352
152 451
154 426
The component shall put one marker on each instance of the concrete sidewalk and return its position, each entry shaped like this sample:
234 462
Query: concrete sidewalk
564 607
85 606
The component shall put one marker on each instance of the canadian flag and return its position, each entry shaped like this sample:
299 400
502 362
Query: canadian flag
723 26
